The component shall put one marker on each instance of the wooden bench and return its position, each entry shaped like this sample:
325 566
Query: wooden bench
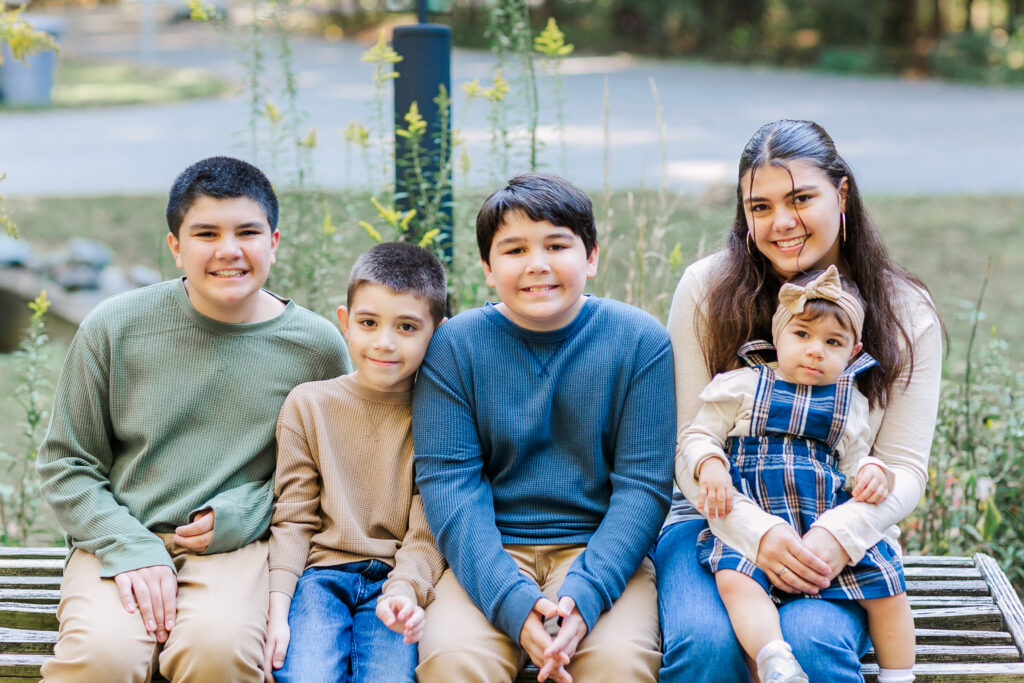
970 623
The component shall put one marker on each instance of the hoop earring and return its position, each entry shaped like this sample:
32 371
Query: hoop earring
842 221
749 253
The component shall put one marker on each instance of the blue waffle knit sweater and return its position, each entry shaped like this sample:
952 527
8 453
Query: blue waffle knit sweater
545 438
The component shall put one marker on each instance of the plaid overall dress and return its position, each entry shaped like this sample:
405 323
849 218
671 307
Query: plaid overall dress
788 466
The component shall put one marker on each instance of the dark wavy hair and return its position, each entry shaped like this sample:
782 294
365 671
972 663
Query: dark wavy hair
542 197
220 178
743 294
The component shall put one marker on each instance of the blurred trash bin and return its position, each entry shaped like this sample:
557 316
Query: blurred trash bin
31 83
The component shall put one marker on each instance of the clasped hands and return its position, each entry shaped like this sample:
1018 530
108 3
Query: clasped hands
550 653
154 590
794 564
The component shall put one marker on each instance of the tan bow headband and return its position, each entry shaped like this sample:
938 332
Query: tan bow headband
826 286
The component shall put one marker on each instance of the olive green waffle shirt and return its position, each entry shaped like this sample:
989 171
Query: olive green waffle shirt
161 412
345 488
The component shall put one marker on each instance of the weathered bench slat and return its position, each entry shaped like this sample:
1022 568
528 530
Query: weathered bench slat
7 553
23 641
31 567
946 673
987 618
21 666
937 561
941 573
960 653
30 582
25 615
936 587
1007 601
938 636
33 595
950 601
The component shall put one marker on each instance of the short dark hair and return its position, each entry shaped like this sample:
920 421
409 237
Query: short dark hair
542 197
220 178
404 269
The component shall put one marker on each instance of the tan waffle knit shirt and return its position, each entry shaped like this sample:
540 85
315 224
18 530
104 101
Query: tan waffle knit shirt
345 489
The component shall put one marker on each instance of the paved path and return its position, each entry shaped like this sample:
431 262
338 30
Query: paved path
900 136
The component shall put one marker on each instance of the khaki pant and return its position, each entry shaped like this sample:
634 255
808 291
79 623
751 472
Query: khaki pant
218 634
459 644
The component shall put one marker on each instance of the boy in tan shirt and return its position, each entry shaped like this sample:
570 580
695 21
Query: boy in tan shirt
352 561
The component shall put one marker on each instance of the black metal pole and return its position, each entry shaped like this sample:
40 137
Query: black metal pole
425 67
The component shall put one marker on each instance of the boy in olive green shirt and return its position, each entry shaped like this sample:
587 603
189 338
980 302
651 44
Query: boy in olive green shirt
160 455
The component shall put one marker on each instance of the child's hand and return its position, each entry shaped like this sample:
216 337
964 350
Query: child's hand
872 486
715 489
278 635
402 615
198 534
535 641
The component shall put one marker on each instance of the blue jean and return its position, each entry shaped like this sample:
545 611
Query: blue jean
828 637
335 634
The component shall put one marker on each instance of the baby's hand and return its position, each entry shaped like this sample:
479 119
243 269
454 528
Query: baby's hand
715 489
872 486
402 615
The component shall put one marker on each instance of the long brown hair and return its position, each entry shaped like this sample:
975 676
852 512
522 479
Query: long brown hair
743 294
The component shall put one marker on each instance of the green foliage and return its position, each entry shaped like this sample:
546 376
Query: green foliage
551 43
20 499
511 39
425 175
23 41
5 221
973 498
986 56
18 34
383 57
643 262
869 36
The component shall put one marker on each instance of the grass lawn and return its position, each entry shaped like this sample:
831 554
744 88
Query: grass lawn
947 241
92 83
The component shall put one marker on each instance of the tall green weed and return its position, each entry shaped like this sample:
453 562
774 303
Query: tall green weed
973 499
20 498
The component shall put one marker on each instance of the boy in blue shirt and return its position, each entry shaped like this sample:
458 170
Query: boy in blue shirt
544 431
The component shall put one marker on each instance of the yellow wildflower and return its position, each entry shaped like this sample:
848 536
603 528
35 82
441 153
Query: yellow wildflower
551 41
374 235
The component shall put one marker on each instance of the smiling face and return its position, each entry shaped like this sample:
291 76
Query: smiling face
794 221
814 352
540 271
387 335
226 248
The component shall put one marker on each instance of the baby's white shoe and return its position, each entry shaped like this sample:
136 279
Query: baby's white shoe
776 664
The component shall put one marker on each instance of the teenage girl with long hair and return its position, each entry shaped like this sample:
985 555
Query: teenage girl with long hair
798 208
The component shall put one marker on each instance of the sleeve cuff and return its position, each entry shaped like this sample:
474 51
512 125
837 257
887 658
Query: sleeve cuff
586 597
513 610
853 548
401 587
227 528
125 558
283 581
